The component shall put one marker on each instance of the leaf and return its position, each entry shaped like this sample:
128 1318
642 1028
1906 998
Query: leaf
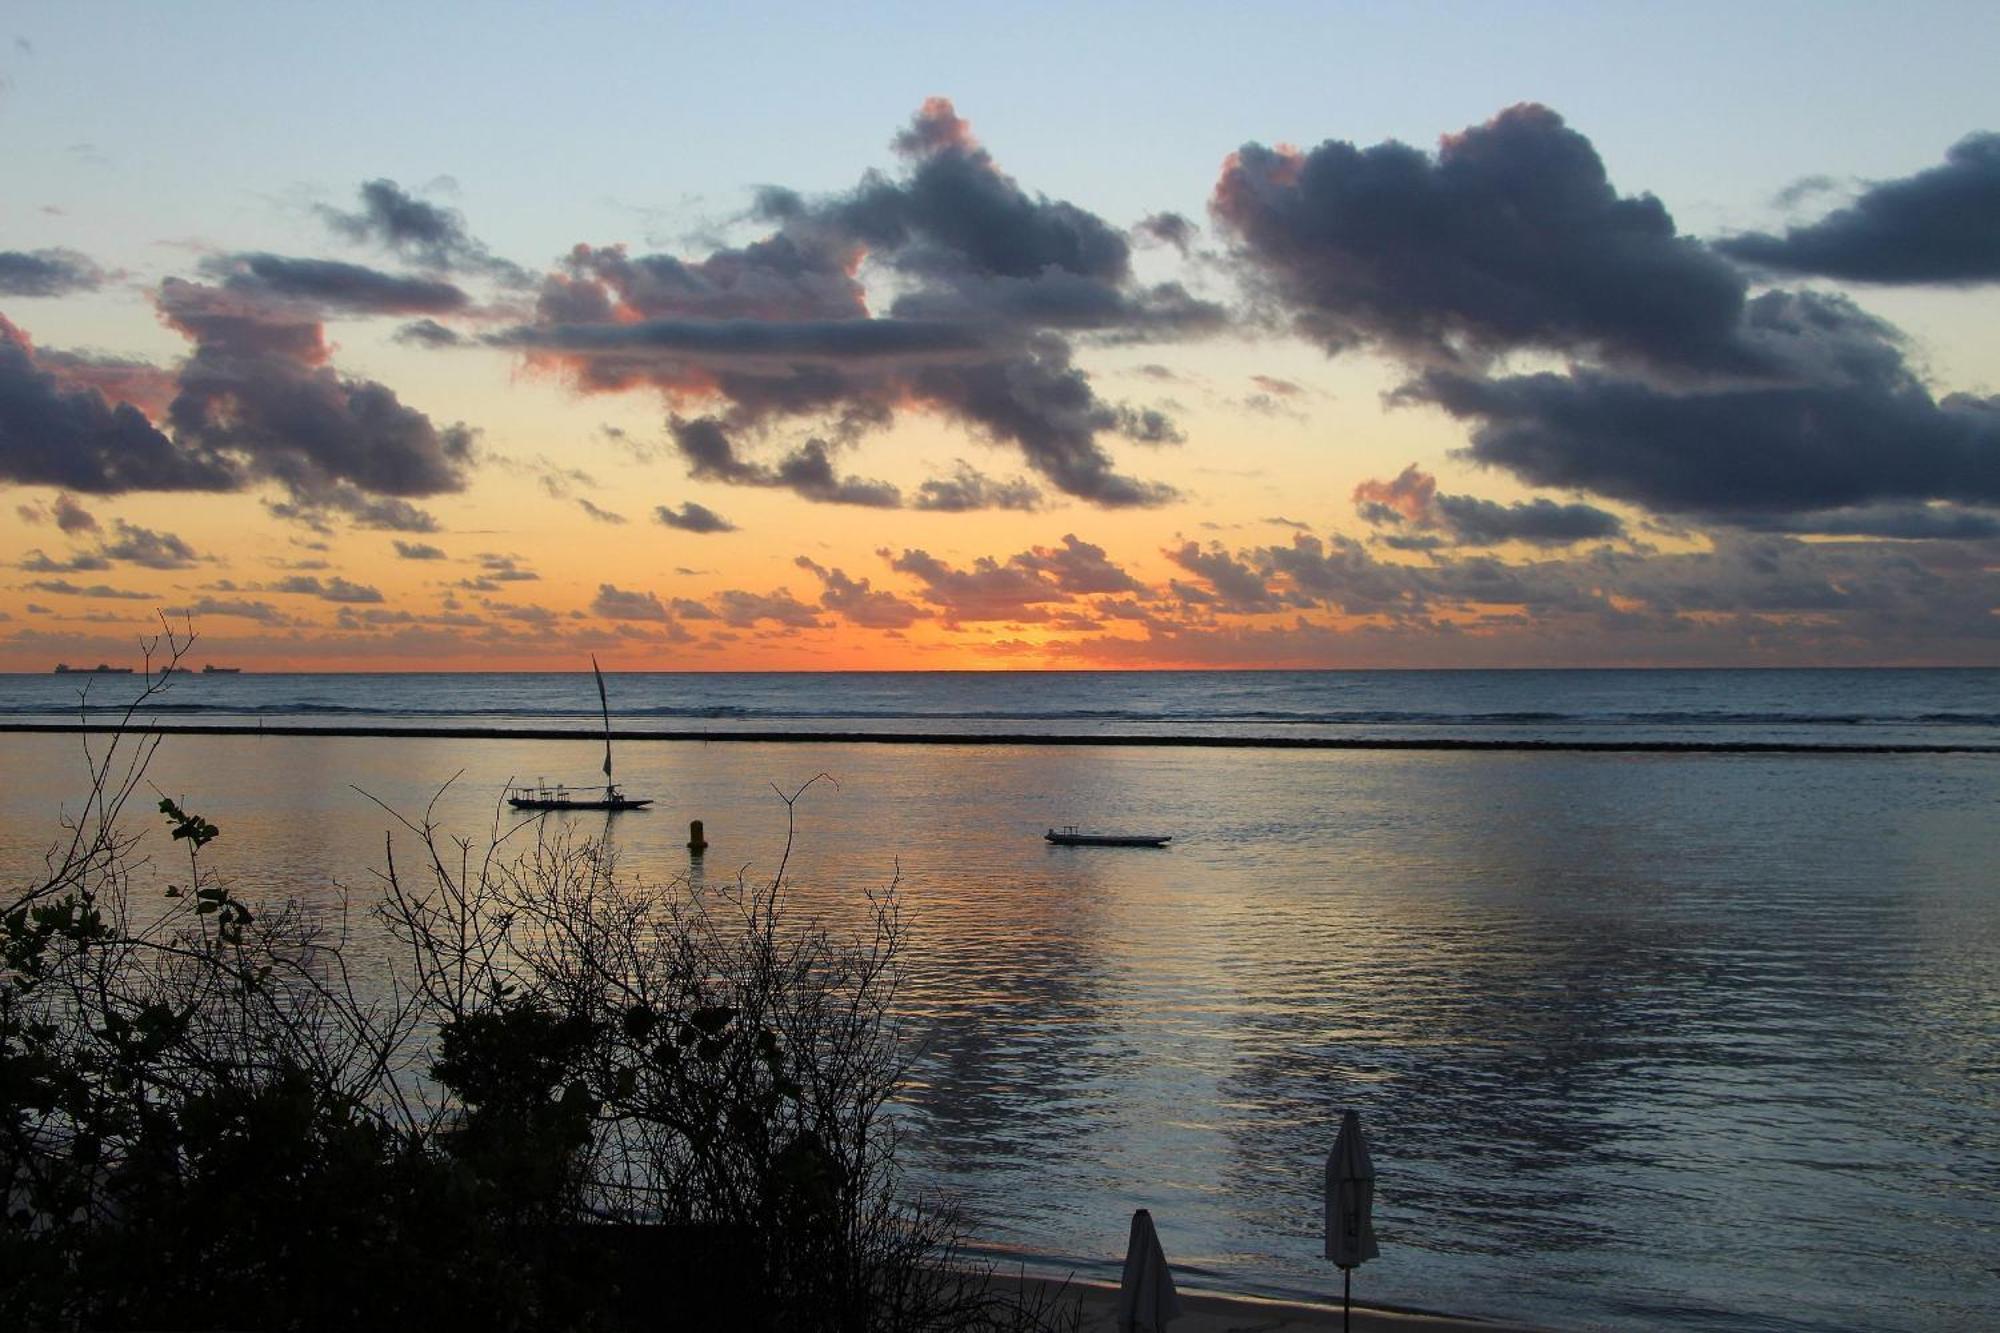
712 1018
639 1021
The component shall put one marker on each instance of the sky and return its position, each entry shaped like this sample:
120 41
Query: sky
921 337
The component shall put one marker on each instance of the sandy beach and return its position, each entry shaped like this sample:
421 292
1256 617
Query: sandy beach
1212 1312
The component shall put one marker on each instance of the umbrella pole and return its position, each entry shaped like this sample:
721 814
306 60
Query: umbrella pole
1346 1297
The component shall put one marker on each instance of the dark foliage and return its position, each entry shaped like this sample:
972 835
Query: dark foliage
572 1104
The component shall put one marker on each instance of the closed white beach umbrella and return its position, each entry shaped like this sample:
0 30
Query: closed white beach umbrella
1146 1298
1350 1203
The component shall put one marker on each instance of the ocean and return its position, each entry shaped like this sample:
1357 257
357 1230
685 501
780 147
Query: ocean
1955 708
1700 1032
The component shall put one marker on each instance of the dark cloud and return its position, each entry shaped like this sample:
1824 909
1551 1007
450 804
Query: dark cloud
38 561
526 613
97 590
614 603
1941 225
314 500
425 233
128 544
1340 574
957 213
601 515
991 284
258 388
1905 522
1510 236
967 489
1803 189
692 517
55 434
806 471
331 285
743 610
47 273
134 545
691 352
710 454
858 603
805 275
418 551
1145 425
208 607
505 568
1167 229
1233 584
1078 567
1539 522
120 379
72 517
1855 426
374 617
255 401
1048 408
335 589
65 512
554 477
990 590
428 333
1410 503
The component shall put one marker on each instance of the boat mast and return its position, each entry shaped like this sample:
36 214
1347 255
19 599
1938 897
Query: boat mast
605 704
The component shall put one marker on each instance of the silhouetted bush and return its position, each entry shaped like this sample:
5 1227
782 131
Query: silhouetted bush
574 1102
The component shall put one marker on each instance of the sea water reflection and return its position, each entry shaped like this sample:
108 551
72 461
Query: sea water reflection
1641 1041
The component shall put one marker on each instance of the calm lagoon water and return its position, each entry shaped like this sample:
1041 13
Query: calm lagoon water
1641 1041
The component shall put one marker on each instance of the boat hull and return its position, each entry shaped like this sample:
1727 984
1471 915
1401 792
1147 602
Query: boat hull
1107 839
555 803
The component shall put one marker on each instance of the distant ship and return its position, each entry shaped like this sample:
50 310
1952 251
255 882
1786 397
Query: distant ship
65 669
213 670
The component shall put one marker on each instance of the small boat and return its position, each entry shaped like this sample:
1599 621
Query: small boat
559 797
541 796
213 670
1067 836
65 669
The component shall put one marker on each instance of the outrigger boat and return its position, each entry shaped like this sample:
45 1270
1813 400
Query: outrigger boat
1067 836
559 797
541 796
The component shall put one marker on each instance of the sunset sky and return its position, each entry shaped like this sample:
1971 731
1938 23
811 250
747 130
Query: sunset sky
929 337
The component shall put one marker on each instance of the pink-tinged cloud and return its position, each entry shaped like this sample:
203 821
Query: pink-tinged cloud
988 591
744 610
58 429
1078 567
615 603
856 602
991 284
1411 496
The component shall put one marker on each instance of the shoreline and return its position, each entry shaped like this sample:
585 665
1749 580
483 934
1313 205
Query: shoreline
1230 1312
975 739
